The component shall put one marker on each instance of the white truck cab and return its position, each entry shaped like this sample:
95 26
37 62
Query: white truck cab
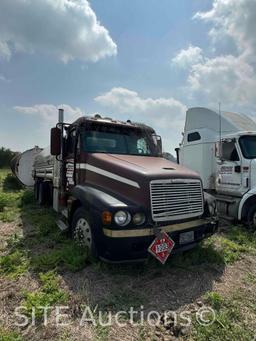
221 147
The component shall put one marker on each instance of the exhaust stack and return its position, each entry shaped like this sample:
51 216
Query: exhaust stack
61 116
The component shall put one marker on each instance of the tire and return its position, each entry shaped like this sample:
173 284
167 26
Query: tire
251 217
41 194
82 230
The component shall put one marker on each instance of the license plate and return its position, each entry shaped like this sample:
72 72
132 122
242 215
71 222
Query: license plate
187 237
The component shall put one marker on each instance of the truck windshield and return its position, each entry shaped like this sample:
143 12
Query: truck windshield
99 138
248 146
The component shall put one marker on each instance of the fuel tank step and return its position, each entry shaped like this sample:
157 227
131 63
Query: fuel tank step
62 225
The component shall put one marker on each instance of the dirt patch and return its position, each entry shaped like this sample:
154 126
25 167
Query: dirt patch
7 230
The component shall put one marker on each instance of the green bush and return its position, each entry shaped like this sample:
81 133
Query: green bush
11 183
3 201
27 198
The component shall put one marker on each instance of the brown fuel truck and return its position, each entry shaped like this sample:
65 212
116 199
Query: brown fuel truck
115 192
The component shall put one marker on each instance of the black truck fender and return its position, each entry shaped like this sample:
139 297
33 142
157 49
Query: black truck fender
93 199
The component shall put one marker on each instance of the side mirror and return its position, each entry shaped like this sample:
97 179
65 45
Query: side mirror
55 141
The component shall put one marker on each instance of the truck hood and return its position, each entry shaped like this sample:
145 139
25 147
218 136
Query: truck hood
142 166
127 177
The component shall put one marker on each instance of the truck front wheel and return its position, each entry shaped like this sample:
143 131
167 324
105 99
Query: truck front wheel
82 230
251 217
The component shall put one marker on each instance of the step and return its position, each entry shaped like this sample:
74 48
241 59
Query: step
225 198
225 217
62 225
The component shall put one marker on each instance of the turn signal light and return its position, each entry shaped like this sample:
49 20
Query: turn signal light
106 217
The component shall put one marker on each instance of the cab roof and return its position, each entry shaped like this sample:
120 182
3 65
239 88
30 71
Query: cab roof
107 120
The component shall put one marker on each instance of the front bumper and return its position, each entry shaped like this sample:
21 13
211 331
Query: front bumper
132 244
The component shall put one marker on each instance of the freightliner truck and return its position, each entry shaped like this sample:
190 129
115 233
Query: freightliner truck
221 147
114 191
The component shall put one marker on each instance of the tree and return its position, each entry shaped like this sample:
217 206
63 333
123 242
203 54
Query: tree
5 157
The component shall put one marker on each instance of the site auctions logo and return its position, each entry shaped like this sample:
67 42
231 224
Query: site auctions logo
60 316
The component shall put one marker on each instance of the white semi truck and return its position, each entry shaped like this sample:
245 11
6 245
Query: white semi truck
221 147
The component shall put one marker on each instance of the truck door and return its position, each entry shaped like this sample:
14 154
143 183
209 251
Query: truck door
229 169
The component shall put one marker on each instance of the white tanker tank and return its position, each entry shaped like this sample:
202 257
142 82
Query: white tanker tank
43 164
22 166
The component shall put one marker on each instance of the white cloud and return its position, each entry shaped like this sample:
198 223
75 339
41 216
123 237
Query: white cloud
187 57
165 115
228 78
48 113
5 52
233 18
225 78
66 29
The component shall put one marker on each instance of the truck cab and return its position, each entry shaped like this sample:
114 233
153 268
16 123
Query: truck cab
221 147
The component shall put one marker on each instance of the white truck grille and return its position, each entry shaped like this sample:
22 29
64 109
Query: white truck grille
173 199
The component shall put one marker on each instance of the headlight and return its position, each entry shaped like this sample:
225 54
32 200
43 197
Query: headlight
122 218
139 218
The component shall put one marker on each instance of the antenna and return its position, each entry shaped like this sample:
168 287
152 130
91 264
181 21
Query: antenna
220 153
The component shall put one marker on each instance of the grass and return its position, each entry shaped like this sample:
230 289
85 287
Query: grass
235 313
3 175
214 299
49 294
101 331
10 205
7 335
123 299
68 255
14 264
250 278
56 250
10 196
230 319
221 249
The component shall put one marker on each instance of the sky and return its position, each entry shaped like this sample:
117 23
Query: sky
144 60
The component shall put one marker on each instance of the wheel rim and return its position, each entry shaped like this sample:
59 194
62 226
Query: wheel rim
83 234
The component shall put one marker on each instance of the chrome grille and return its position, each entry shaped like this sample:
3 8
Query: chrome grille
173 199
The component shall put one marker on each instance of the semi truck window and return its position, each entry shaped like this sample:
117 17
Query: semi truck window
229 151
116 140
71 139
194 137
248 146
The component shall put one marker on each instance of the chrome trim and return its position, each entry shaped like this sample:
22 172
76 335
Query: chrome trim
125 233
